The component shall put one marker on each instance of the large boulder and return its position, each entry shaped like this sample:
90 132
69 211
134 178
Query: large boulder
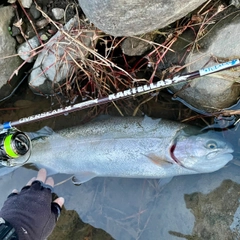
132 17
219 90
9 62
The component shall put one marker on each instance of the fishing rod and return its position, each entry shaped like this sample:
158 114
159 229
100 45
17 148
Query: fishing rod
132 92
15 146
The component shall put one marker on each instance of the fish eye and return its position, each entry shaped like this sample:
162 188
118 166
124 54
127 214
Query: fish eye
211 145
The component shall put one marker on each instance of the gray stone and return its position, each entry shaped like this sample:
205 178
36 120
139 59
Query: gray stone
133 17
133 46
42 23
35 13
58 13
7 48
25 50
53 63
235 3
26 3
219 90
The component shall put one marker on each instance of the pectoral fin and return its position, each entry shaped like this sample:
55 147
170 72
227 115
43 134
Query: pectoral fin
158 160
83 177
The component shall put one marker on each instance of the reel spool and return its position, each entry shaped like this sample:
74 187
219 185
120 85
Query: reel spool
15 147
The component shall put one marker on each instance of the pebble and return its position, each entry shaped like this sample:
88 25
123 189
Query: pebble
35 13
20 39
42 23
26 3
58 13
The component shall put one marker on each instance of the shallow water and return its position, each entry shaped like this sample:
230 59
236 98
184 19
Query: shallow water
204 206
137 209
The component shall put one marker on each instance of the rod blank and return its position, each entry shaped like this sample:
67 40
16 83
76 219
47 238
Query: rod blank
132 92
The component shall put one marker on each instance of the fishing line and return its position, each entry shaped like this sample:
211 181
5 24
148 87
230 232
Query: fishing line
132 92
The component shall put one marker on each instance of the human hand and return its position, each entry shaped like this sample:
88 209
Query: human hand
31 211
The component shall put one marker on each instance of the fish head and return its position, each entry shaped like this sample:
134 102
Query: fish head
204 152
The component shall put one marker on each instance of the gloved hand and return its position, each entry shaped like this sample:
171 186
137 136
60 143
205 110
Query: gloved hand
32 212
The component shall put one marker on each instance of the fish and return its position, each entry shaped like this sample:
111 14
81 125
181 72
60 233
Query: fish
130 147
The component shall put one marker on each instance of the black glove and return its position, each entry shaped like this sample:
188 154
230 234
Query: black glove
32 212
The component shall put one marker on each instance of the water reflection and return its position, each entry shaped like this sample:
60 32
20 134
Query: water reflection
201 206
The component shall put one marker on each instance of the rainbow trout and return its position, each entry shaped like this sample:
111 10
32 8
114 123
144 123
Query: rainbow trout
131 148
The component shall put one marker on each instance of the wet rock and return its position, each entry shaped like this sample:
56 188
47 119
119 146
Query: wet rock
235 3
26 3
128 18
53 64
26 49
15 31
20 39
35 13
58 13
7 48
132 46
218 90
41 23
16 27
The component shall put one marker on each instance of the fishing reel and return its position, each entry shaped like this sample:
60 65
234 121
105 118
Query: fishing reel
15 147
